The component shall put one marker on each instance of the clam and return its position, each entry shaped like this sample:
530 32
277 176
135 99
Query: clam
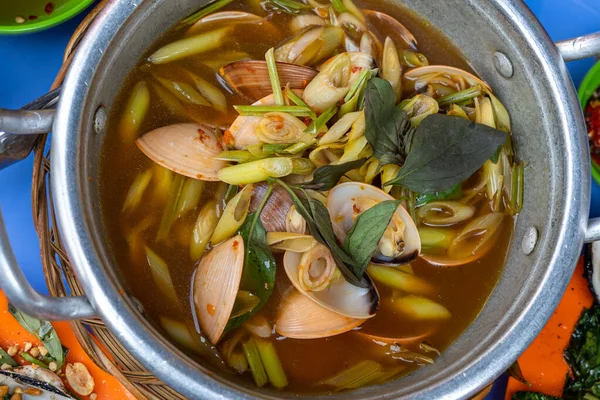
384 23
275 211
311 46
315 274
272 127
301 318
250 78
400 242
419 107
215 286
187 149
335 78
442 78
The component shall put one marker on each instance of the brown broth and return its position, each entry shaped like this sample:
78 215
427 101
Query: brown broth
462 290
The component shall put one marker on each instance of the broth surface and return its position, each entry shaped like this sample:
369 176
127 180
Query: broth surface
463 290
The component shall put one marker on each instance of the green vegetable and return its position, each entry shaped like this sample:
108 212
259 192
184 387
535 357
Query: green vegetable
298 111
583 356
386 124
274 77
170 211
5 358
271 363
256 365
445 151
295 98
258 276
453 193
459 97
29 358
321 120
363 238
532 396
338 6
44 331
203 12
327 176
288 6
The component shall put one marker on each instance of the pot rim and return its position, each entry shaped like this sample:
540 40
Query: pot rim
140 338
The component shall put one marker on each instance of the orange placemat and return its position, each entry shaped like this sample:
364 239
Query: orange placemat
11 333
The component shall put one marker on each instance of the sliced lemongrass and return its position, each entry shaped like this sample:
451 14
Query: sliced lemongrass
161 275
233 216
273 148
261 110
190 196
245 302
307 141
445 213
413 59
135 111
296 242
213 94
137 190
397 279
322 120
171 101
204 11
226 59
180 333
203 230
436 238
421 308
256 366
340 128
170 210
517 181
361 374
302 166
355 150
189 46
257 151
462 96
357 84
183 91
400 340
271 363
338 6
391 69
274 77
239 156
295 98
237 360
256 171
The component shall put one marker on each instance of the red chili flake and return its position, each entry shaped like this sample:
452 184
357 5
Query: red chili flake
211 309
32 17
49 8
235 245
355 69
356 208
228 138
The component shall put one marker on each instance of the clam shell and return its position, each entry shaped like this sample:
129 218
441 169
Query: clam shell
301 318
215 286
429 72
275 211
385 23
187 149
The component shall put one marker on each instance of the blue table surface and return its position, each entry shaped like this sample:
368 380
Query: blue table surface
32 61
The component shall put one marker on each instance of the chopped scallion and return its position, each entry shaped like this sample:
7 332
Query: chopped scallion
321 120
29 358
295 98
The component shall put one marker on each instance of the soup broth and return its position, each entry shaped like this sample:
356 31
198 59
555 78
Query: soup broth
150 228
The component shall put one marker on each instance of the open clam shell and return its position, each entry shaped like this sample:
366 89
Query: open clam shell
385 23
301 318
187 149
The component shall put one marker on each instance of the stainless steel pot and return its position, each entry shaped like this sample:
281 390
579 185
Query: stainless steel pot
505 44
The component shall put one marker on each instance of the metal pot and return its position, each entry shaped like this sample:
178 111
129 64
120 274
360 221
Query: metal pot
505 44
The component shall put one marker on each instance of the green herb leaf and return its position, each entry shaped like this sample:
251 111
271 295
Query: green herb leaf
445 151
583 356
453 193
327 176
44 331
258 276
533 396
386 124
362 240
5 358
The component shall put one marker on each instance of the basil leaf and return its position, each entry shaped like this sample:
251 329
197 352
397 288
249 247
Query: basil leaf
445 151
522 395
453 193
5 358
385 124
258 276
44 331
362 240
327 176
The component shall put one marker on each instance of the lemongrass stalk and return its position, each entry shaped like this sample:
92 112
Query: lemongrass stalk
421 308
137 190
302 166
256 171
322 120
239 156
295 98
299 147
272 148
233 216
161 275
238 361
354 10
517 178
391 69
358 375
412 59
357 84
261 110
459 97
183 91
338 6
190 46
203 12
221 61
257 151
354 150
339 129
396 279
436 238
170 209
135 111
212 93
255 362
274 77
172 103
457 111
203 230
180 333
190 196
271 363
296 242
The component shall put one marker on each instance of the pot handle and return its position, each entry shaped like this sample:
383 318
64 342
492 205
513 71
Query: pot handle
24 297
579 47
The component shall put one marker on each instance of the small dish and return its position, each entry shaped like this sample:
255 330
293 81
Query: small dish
19 17
590 83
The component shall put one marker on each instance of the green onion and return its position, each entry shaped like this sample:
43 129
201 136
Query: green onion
239 156
272 148
203 12
271 363
261 110
255 362
517 178
5 358
338 6
321 120
295 98
274 77
29 358
290 6
170 211
462 96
